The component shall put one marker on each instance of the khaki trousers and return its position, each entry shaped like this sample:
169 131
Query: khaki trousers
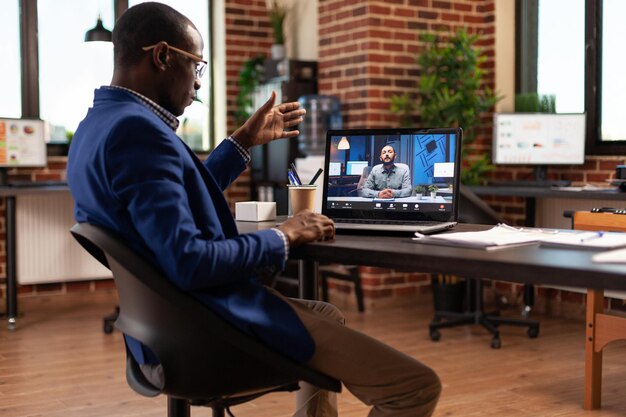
393 383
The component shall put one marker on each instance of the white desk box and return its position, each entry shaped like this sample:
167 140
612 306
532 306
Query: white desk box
255 211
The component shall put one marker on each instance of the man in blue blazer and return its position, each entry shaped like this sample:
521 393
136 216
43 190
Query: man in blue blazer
130 173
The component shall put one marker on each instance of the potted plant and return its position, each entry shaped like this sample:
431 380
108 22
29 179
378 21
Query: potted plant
451 92
419 190
250 77
277 14
432 189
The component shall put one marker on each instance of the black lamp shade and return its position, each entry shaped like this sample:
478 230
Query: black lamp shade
98 33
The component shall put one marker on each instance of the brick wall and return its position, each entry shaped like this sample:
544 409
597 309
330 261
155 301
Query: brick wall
248 34
367 53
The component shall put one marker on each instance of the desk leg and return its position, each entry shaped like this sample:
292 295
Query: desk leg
308 279
11 274
531 207
593 359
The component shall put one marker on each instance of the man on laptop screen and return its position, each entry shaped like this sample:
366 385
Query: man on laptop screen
414 189
387 180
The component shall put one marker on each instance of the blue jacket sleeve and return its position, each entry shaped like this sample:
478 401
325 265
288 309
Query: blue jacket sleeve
146 171
225 164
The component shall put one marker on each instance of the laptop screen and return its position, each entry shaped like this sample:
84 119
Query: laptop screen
392 174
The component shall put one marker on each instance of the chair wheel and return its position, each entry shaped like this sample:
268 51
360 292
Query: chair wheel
435 335
533 332
496 343
107 328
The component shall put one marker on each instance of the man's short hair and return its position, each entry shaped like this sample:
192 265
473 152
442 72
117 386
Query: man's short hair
146 24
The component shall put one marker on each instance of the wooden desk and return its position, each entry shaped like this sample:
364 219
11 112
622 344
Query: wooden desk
601 328
526 264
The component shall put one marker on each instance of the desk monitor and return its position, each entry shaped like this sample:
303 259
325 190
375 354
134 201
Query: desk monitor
539 139
355 167
23 143
334 169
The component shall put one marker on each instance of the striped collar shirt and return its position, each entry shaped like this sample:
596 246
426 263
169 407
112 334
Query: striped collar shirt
161 113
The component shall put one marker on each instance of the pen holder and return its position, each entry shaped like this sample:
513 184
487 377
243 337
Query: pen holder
301 197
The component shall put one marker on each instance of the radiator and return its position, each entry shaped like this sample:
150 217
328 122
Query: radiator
45 249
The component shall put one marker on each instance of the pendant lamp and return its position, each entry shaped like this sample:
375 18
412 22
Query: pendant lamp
98 33
343 144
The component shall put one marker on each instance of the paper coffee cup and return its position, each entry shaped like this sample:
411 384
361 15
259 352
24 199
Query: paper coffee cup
301 197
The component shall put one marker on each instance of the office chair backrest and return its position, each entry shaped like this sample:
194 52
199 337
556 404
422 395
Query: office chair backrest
472 209
202 355
364 174
608 222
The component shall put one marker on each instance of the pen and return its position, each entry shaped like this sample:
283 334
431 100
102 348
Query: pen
316 176
295 174
292 178
592 237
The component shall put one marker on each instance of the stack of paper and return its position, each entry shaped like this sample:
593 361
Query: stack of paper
503 236
500 236
588 240
617 256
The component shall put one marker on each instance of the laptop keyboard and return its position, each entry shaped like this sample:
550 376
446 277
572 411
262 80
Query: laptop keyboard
396 222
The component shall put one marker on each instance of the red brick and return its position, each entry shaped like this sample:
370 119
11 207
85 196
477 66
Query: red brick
597 177
403 291
104 284
427 15
77 286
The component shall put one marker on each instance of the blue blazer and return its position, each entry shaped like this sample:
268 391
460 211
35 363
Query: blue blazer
130 173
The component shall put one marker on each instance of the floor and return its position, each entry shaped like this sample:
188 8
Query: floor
59 363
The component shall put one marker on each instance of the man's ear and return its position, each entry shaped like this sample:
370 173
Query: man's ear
161 56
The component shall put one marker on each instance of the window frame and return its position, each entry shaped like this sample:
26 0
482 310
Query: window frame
593 84
526 49
29 51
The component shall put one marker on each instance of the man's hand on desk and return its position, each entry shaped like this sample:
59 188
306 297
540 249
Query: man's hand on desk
386 193
307 226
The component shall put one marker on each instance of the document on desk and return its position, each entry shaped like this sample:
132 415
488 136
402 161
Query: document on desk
498 237
617 256
585 240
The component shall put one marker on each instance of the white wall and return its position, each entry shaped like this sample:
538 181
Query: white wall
219 70
301 34
505 55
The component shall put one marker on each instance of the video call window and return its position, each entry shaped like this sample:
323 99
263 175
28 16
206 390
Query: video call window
421 160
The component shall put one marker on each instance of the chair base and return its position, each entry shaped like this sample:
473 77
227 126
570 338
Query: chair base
490 321
109 321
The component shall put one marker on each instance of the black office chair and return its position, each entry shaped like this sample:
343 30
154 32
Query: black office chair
206 361
348 273
474 210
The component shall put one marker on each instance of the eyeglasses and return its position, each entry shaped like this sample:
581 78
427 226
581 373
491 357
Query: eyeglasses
201 64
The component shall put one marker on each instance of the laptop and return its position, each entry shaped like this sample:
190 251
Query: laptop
359 166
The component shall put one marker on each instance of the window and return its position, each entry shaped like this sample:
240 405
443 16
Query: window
561 54
10 78
194 126
580 60
613 64
61 71
70 68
